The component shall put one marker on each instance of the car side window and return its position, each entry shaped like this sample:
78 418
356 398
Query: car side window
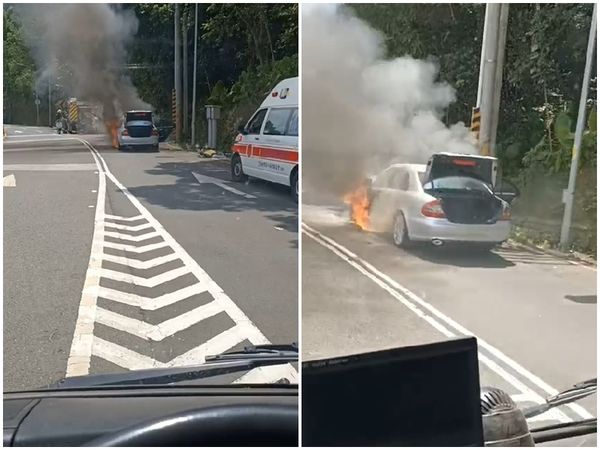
255 123
277 120
292 128
381 181
400 180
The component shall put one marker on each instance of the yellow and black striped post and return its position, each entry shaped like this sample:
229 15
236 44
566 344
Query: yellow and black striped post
73 115
475 122
174 106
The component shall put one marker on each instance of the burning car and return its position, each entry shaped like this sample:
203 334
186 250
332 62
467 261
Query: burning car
137 131
453 198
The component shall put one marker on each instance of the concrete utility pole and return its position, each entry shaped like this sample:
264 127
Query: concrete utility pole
185 75
487 75
50 102
193 141
569 193
177 74
495 117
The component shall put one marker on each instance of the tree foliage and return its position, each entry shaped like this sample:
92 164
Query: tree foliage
19 70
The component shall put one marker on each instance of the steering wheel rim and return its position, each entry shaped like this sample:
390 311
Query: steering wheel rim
234 425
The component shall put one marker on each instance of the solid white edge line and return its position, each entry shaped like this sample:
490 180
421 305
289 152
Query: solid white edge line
316 235
80 354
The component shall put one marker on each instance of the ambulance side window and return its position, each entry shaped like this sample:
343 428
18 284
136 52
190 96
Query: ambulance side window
292 128
277 120
255 123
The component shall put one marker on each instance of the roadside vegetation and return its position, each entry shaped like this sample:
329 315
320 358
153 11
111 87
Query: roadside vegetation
544 62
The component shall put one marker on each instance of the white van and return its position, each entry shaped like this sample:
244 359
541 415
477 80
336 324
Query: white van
267 147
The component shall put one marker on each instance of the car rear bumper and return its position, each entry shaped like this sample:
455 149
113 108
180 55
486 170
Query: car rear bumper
426 229
127 141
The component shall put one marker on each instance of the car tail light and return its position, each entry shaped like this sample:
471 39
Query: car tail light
505 213
433 209
154 132
125 132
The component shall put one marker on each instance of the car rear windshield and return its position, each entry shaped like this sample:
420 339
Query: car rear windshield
139 115
455 166
456 184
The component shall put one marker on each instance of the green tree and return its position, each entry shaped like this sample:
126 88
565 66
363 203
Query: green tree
19 74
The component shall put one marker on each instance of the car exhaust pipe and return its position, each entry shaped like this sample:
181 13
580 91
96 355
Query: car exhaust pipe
437 242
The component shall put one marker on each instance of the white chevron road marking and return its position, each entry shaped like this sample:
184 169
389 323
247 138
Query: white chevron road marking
119 226
161 331
141 281
133 248
125 219
87 344
148 303
132 360
129 237
269 374
137 264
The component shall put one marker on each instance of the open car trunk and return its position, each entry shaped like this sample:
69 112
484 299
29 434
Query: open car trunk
465 207
139 129
465 200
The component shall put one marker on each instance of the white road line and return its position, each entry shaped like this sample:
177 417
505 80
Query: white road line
268 374
123 357
148 303
218 344
202 179
125 219
133 248
141 281
137 264
129 237
69 167
10 181
81 347
119 226
129 359
161 331
376 275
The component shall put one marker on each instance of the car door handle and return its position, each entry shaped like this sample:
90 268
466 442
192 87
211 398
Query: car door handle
256 139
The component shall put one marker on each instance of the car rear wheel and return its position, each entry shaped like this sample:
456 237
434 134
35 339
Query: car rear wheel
400 231
237 171
294 186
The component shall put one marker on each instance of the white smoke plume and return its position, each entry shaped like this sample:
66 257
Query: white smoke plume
83 48
361 111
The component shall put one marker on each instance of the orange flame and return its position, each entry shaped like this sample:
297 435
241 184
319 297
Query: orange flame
112 129
359 204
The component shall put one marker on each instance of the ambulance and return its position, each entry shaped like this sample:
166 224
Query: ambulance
267 146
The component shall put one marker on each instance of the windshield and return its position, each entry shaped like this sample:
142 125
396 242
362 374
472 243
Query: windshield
389 264
133 254
138 115
456 184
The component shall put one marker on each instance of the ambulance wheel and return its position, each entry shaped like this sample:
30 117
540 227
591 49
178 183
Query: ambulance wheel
294 186
237 171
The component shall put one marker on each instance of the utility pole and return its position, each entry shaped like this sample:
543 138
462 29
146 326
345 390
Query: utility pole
487 75
569 193
50 101
495 114
193 141
185 74
177 74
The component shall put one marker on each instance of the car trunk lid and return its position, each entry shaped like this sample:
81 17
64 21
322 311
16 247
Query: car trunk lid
465 200
442 165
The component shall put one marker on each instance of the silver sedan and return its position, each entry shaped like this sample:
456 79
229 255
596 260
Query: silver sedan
446 209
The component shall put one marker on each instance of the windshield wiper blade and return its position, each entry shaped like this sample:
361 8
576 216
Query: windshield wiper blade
564 430
288 352
577 392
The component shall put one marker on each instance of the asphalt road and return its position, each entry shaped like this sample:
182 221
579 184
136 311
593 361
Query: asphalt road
119 261
534 314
